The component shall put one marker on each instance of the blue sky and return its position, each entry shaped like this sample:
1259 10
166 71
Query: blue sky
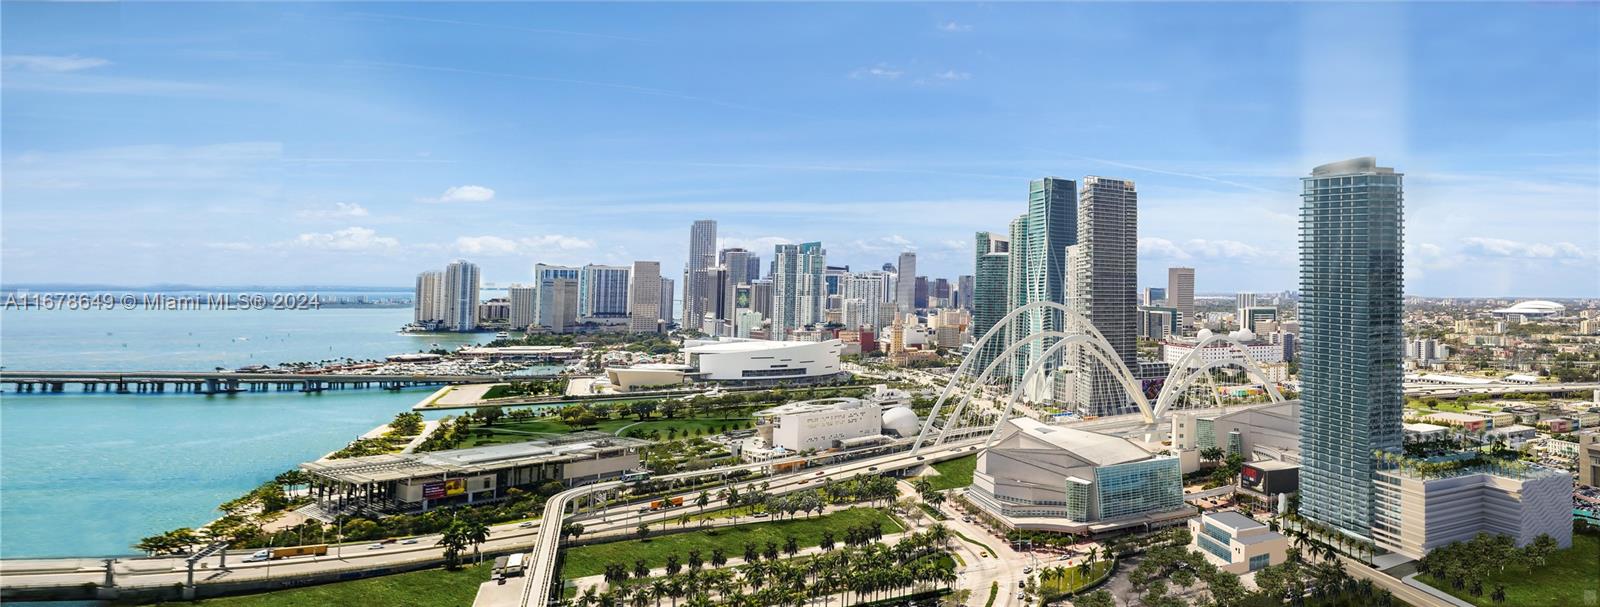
360 143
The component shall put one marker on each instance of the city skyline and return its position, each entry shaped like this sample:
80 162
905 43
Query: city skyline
389 177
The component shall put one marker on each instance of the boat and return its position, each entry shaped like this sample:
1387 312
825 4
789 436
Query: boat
502 335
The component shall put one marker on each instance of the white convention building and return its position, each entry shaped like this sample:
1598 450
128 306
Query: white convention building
739 362
827 423
760 361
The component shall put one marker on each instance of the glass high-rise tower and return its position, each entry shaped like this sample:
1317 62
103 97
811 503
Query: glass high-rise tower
992 265
1351 344
1039 241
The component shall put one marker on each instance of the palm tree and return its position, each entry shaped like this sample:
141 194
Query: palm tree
589 597
476 532
455 542
658 589
640 570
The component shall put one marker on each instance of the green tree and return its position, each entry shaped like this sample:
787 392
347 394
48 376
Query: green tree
488 413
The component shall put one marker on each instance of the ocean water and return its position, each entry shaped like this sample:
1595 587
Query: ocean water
88 474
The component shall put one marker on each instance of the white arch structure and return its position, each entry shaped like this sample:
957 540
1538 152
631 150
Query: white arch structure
1101 350
1178 379
1181 377
1099 346
1113 362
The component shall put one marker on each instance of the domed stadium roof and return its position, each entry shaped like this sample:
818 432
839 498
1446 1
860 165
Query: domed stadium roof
1535 307
900 420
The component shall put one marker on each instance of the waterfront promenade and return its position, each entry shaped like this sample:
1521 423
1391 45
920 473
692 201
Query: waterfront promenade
224 382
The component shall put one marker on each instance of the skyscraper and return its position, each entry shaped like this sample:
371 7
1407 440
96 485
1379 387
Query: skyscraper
797 287
963 293
992 267
761 296
1039 241
428 307
644 297
522 305
545 308
754 272
603 291
461 296
868 289
702 255
1180 294
669 290
905 298
1241 302
1105 288
919 297
1154 296
1351 347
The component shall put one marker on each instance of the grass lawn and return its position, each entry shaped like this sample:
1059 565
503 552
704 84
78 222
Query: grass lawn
1074 579
1562 580
429 588
954 474
516 432
592 559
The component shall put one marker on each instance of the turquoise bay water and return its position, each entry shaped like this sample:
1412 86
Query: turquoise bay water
88 474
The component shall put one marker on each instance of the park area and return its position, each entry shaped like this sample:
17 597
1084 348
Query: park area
1567 577
589 560
427 588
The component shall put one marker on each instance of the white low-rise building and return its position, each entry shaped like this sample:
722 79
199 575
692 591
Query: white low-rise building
1173 350
1417 511
815 425
1236 543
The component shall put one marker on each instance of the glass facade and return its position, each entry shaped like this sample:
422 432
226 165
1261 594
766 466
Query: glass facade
1216 549
1152 485
1259 561
1350 350
1038 264
1078 497
993 265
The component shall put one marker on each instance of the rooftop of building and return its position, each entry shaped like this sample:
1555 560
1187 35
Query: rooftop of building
1273 464
1424 428
734 346
1513 428
1233 520
1353 166
812 406
1099 449
475 460
1451 416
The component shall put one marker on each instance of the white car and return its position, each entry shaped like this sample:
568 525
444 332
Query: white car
258 556
527 525
375 547
410 541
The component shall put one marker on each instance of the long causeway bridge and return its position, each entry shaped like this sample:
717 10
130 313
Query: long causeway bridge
221 382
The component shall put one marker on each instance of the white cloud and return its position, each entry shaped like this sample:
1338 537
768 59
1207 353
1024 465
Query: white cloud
1161 247
1500 247
348 239
756 245
952 75
881 71
1200 247
340 210
52 63
465 193
496 245
952 26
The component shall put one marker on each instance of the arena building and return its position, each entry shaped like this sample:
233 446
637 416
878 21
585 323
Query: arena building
1056 478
